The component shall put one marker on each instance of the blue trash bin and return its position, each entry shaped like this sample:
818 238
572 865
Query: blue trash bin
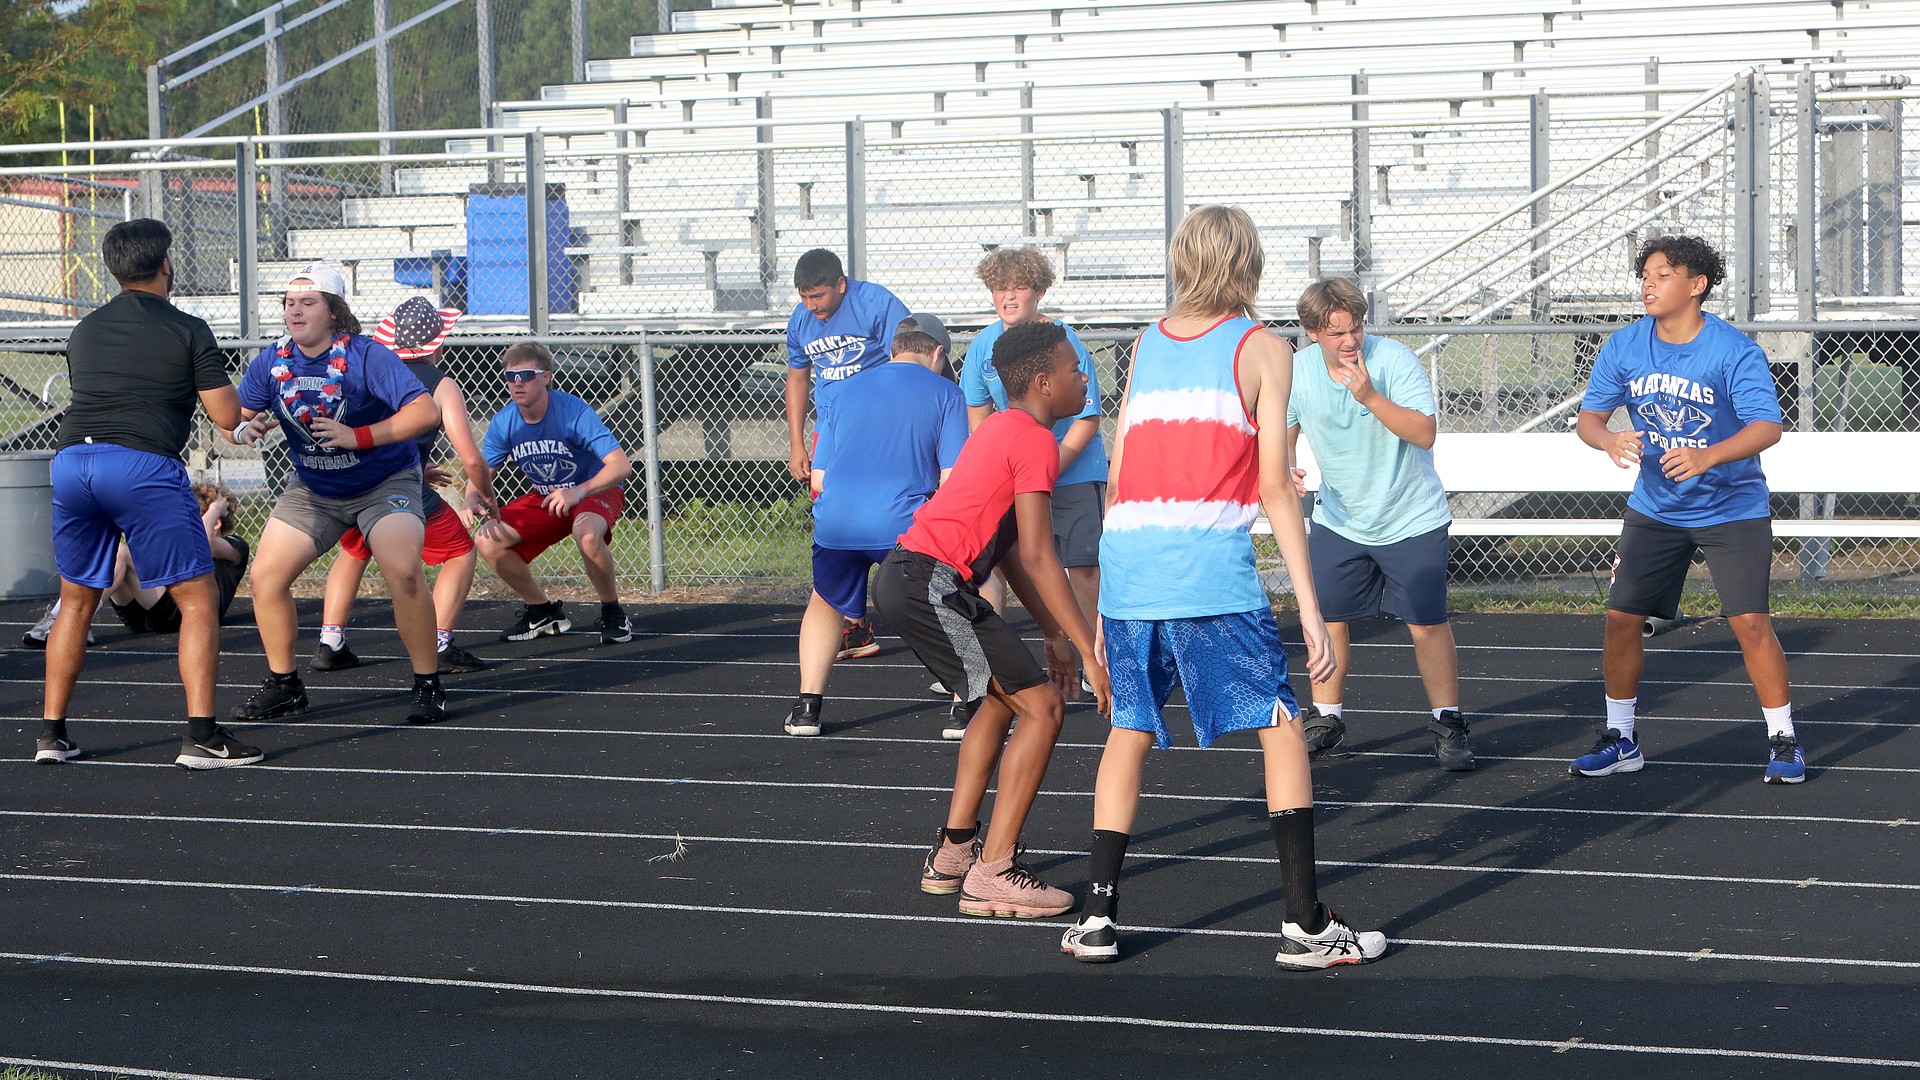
497 264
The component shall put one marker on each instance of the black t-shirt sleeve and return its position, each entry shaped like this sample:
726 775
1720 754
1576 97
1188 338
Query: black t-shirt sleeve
209 362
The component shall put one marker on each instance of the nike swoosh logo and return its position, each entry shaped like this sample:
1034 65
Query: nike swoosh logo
221 752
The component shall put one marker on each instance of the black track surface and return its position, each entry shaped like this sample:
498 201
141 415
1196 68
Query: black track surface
488 897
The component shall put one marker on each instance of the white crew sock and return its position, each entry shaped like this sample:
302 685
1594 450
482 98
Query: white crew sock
333 637
1620 715
1324 709
1779 721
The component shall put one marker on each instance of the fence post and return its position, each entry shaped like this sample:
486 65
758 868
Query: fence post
1750 167
1173 180
650 426
151 179
767 235
621 190
276 125
383 88
856 197
1652 143
577 23
663 17
1815 552
538 251
246 192
1540 168
1362 184
1026 160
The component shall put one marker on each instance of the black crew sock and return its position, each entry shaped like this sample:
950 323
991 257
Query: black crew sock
814 701
431 679
291 678
1293 838
1103 875
53 729
610 608
962 836
201 728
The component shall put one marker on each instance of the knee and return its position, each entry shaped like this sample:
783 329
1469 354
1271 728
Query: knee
592 544
1751 627
1047 710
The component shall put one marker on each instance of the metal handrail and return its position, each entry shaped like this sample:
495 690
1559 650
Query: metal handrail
241 50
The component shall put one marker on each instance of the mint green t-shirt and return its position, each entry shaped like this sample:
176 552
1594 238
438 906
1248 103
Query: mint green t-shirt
1375 487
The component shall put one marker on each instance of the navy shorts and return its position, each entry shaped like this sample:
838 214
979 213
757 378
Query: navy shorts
1077 513
101 492
1407 579
1232 668
840 577
1650 567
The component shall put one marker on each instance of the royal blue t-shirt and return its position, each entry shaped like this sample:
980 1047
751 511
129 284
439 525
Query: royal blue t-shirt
376 386
882 450
1691 395
565 449
981 384
858 336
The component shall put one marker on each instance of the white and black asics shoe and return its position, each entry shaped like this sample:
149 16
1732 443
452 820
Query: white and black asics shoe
1093 940
1336 944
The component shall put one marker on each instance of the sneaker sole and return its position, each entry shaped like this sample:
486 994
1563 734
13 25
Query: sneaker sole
1770 779
55 757
194 763
285 710
426 718
936 887
869 649
1093 954
953 734
984 909
1467 765
1296 962
1331 753
1633 765
802 730
558 626
616 640
333 665
460 669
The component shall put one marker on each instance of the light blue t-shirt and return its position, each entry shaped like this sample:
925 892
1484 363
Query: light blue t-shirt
1695 394
857 336
1375 487
982 386
565 449
882 450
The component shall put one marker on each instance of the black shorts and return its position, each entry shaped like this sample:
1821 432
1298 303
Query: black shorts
162 618
1650 568
954 632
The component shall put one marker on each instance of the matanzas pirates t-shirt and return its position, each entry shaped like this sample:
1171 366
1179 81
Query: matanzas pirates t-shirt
565 449
1691 395
376 385
856 337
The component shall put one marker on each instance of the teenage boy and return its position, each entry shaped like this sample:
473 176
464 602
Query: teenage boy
1018 280
137 366
1700 409
840 328
1380 524
576 468
995 508
1201 447
414 331
889 442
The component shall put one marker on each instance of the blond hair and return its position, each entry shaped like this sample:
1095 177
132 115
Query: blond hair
1015 268
1328 295
1214 262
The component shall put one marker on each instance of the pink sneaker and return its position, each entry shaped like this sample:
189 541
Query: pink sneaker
947 864
1007 888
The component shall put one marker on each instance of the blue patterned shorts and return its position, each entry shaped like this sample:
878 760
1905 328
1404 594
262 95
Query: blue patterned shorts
1232 668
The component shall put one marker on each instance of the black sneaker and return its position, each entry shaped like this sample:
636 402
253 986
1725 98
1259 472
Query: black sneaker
274 698
856 641
1092 940
429 703
538 619
804 719
957 716
222 751
54 751
1326 735
1450 747
328 658
455 660
615 627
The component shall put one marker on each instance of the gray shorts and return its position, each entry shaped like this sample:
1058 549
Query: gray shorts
1077 510
326 518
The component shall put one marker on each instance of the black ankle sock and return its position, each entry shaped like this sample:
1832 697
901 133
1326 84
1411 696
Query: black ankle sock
420 680
1103 875
53 729
200 728
962 836
611 608
813 701
1293 838
291 678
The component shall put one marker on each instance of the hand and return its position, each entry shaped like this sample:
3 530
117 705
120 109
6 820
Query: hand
434 476
800 465
1063 667
496 530
217 509
1102 687
561 501
1100 640
1320 661
472 509
251 432
1353 375
1300 482
1685 462
330 432
1626 449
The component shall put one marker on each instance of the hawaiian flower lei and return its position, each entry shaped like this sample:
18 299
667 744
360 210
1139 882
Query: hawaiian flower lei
329 404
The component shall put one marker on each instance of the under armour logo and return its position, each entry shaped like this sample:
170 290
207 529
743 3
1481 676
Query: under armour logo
1102 890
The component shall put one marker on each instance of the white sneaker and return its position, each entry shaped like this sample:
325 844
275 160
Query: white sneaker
1092 941
1337 944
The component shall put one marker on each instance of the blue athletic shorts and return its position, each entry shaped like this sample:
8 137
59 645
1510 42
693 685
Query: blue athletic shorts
1232 668
101 491
1406 579
840 577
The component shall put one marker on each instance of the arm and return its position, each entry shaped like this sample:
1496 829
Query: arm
1410 425
1293 462
1686 462
223 407
1084 430
415 418
1266 377
614 470
458 425
798 379
1623 447
1034 573
976 414
223 549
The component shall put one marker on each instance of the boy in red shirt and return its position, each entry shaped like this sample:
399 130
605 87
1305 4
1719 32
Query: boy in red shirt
996 509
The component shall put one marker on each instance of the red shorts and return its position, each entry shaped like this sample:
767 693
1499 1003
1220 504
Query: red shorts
446 540
540 530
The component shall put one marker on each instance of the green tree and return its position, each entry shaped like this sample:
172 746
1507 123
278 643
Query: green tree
54 57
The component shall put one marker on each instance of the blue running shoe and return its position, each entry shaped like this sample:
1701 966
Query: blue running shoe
1613 753
1785 763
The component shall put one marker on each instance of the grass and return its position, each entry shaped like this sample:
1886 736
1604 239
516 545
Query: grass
15 1072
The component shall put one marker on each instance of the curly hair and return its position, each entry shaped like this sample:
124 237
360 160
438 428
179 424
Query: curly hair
1024 353
1016 268
1698 256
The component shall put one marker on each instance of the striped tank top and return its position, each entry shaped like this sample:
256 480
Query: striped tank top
1175 543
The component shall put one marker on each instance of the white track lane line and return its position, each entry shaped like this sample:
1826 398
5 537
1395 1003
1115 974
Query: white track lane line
1567 1045
109 1070
812 785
